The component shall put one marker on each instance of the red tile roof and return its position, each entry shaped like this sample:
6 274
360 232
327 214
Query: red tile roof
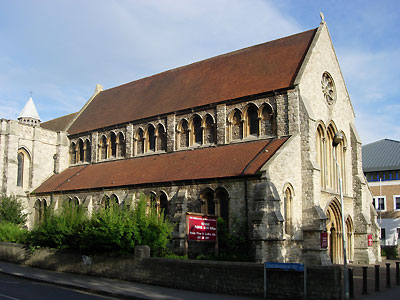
58 124
206 163
250 71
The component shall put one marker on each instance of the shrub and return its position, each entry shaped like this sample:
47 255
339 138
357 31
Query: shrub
11 210
232 245
111 229
12 233
60 229
116 229
108 230
390 252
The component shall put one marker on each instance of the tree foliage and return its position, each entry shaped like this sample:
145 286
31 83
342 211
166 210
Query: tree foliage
11 210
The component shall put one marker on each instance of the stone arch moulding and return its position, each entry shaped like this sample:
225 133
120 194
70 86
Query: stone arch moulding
207 115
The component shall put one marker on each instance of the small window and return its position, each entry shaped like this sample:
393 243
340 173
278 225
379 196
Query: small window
379 203
396 200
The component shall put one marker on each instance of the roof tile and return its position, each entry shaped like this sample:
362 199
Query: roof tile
250 71
205 163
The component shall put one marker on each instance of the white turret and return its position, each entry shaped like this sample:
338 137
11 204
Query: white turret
29 114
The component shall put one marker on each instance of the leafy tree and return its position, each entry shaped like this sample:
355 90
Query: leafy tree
11 210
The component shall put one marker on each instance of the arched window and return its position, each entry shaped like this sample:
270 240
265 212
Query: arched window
120 145
350 238
88 151
235 125
331 167
183 134
267 121
24 168
164 204
72 153
112 145
105 202
288 209
251 121
153 201
139 141
114 202
161 138
209 130
73 203
40 207
222 203
81 152
151 138
196 131
103 147
208 204
20 176
321 154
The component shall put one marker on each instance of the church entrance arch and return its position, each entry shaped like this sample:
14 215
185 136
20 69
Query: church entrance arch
334 229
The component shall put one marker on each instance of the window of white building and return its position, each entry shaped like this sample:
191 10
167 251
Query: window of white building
379 203
396 202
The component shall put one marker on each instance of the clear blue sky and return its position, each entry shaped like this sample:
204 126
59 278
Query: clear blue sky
60 49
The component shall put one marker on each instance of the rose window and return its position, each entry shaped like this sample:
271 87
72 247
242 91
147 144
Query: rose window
328 88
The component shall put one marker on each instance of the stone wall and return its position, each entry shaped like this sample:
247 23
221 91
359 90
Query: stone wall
47 151
232 278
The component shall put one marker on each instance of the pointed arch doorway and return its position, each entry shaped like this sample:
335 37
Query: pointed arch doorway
334 229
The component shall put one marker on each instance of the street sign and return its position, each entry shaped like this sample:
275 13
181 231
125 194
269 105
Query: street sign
284 266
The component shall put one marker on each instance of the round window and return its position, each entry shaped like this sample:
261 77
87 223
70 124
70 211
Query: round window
328 88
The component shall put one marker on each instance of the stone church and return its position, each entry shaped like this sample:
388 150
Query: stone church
246 136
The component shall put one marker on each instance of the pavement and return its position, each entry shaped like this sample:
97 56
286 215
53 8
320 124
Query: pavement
384 292
133 290
109 287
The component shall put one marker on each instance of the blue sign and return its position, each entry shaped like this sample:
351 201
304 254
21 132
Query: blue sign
284 266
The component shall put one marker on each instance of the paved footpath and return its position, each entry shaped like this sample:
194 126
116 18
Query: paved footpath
109 287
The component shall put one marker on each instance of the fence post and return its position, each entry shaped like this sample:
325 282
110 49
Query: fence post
365 288
388 275
351 283
397 273
377 282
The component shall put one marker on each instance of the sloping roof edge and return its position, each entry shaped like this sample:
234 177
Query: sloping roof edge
234 160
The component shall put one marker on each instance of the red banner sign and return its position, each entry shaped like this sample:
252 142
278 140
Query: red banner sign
370 242
324 240
202 228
